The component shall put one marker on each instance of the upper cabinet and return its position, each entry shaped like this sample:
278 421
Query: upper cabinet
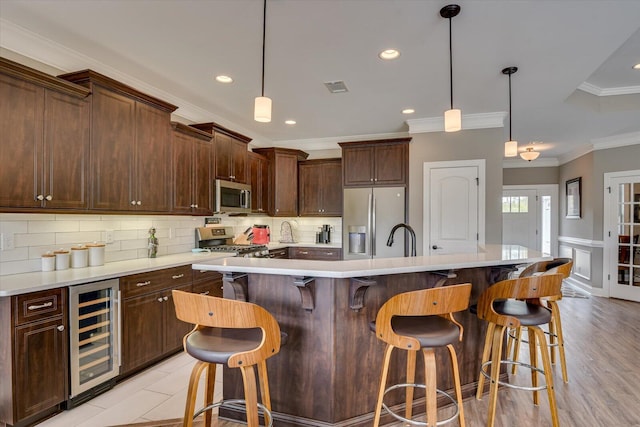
259 179
130 146
375 163
283 179
320 183
230 152
44 154
192 176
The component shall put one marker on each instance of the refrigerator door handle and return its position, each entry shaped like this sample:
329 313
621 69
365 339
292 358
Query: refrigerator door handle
369 252
373 226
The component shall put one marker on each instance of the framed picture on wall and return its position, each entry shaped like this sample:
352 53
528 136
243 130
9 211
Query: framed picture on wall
574 203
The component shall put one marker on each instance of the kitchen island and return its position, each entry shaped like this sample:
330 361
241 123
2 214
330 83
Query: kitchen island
327 373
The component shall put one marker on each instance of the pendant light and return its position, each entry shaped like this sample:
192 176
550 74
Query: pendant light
262 107
453 116
511 146
529 154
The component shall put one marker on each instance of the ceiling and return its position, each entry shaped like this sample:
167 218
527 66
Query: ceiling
575 84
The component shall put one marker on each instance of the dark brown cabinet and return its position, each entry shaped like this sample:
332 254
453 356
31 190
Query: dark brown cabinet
44 156
150 329
207 283
192 177
371 163
315 253
283 179
230 152
34 355
320 183
259 178
130 146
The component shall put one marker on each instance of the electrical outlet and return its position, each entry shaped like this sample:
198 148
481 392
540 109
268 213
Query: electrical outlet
108 236
7 241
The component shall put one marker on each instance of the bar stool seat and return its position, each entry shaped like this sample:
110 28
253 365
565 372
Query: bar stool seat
421 321
527 313
233 333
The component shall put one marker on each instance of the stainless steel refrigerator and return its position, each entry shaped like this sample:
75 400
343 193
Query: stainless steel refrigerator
368 216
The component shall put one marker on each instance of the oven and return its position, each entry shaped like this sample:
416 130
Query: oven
232 197
220 239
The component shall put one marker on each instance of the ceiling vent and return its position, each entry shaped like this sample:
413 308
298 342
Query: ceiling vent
336 87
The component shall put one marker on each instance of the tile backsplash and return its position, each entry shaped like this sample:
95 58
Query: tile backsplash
27 236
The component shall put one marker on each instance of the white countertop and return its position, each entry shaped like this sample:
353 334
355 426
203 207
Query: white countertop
37 281
278 245
491 255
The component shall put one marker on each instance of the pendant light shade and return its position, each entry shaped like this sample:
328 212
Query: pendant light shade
530 154
452 117
262 107
511 146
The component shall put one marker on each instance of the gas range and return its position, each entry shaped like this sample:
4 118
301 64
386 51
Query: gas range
220 239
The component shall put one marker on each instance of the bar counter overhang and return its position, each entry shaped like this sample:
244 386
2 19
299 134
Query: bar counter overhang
327 373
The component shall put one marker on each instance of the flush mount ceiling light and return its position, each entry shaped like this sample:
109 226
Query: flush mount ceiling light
224 79
529 154
511 146
452 117
408 111
290 122
262 107
637 66
389 54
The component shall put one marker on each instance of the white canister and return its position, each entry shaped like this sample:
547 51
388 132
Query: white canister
62 259
48 262
96 254
79 256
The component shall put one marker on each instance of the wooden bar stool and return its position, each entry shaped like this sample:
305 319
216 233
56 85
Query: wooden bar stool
510 304
556 338
422 320
238 334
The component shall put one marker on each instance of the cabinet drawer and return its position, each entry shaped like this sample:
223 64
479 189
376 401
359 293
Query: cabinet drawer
282 253
211 288
205 276
326 254
39 305
144 283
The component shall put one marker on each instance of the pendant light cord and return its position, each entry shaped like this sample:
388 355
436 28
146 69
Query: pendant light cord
450 64
510 139
264 32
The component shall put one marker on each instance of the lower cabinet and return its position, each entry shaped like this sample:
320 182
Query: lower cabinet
33 356
150 329
207 283
281 253
321 254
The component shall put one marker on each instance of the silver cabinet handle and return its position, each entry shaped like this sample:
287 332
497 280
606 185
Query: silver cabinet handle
195 206
160 299
49 197
177 276
60 328
38 307
138 203
304 252
329 253
40 197
140 284
165 298
204 293
133 202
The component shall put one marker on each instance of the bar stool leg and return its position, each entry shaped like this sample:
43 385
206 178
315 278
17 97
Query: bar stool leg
208 394
456 381
486 351
516 350
548 375
496 351
263 378
250 395
557 324
533 357
189 409
411 379
430 382
383 383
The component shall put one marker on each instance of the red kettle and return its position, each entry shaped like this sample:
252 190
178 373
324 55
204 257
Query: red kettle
261 234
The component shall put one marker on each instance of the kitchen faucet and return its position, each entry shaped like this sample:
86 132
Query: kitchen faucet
411 232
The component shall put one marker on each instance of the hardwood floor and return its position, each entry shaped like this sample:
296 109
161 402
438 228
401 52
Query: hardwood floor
602 341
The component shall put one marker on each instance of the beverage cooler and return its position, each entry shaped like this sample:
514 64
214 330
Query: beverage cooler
94 335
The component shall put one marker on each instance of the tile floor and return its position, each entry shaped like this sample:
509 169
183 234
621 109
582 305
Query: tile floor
158 393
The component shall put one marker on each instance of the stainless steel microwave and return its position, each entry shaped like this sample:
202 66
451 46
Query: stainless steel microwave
232 197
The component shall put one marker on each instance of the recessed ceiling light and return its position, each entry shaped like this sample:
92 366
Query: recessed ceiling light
290 122
637 66
408 111
224 79
389 54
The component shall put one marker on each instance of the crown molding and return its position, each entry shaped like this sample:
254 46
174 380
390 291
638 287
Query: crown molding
469 121
331 142
574 154
609 91
621 140
538 163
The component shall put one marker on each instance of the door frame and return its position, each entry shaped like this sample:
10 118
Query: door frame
544 190
608 224
426 197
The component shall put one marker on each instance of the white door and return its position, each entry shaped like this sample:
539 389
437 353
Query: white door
623 237
453 212
519 218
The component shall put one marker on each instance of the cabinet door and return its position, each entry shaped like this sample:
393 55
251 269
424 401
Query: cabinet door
239 161
202 178
40 360
142 332
153 164
259 179
286 185
182 155
358 166
311 190
331 186
21 109
174 329
112 142
223 156
66 151
390 164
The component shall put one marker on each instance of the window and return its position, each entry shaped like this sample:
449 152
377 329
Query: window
515 204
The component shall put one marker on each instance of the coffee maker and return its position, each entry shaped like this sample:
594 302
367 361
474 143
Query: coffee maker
324 235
